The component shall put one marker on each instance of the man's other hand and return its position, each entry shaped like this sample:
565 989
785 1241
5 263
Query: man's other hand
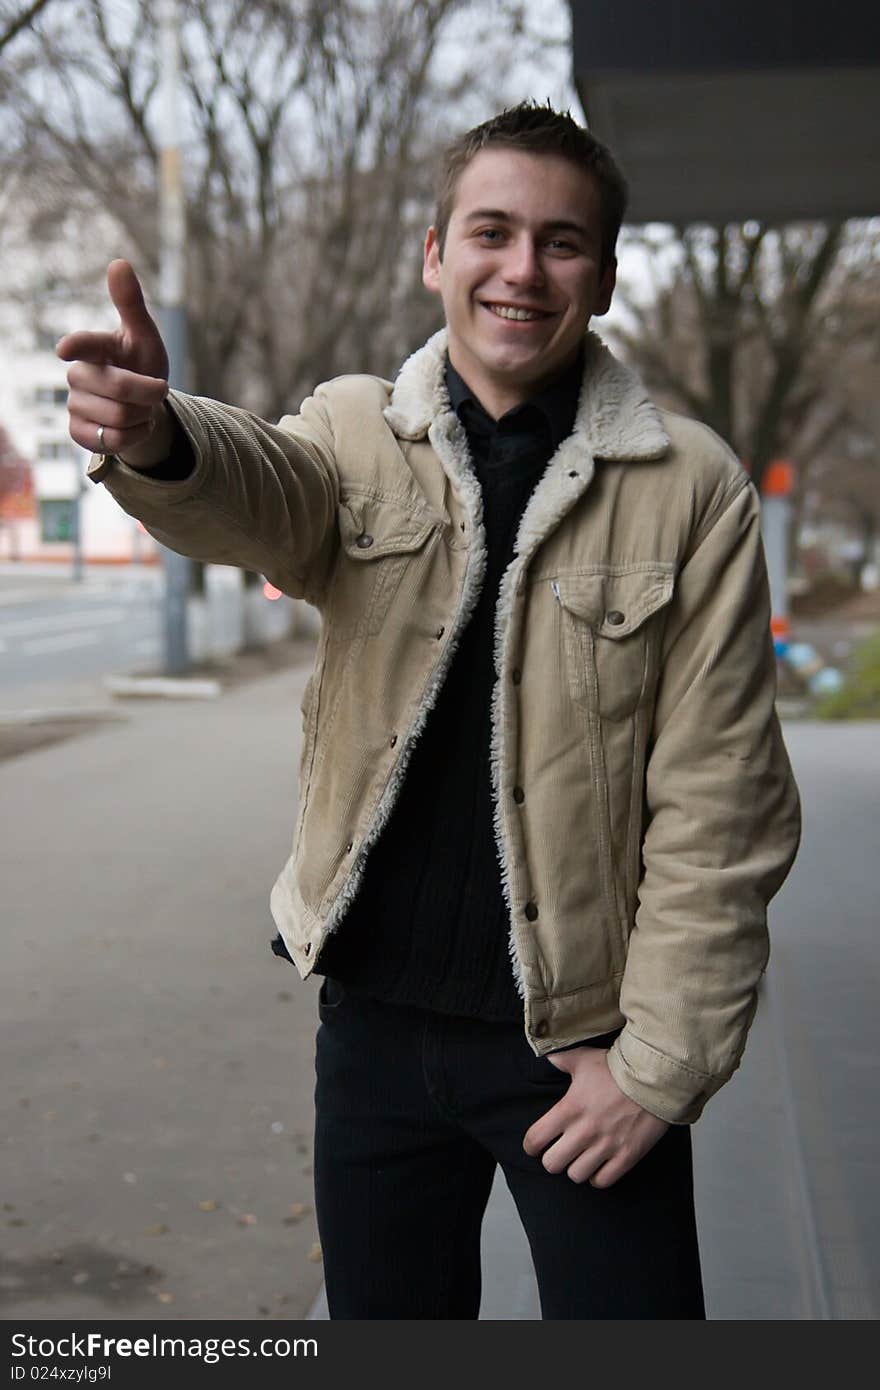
600 1133
120 379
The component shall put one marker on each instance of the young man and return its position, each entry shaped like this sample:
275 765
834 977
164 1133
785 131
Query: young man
544 798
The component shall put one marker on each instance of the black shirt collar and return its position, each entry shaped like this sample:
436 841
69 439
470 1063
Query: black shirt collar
556 405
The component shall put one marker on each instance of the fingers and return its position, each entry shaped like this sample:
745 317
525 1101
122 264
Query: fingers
87 347
112 441
570 1146
137 343
116 384
98 410
593 1160
547 1128
128 298
125 403
607 1174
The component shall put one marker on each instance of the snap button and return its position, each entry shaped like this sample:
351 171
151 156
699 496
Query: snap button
615 617
393 740
531 911
516 675
542 1028
364 541
519 795
440 631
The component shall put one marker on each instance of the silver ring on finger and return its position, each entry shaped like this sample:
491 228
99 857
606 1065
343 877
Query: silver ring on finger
102 448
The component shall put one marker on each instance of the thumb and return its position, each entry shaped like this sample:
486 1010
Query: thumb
128 299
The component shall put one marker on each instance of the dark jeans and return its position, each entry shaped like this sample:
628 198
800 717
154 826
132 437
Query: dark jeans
413 1111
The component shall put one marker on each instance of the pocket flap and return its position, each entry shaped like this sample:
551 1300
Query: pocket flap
616 604
370 528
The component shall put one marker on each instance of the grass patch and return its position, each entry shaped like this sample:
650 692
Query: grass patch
859 697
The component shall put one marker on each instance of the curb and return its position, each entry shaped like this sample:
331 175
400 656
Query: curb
319 1311
82 714
162 687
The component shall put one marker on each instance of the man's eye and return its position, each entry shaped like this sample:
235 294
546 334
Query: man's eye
557 244
490 233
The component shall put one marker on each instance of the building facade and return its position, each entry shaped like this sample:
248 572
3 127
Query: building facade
33 412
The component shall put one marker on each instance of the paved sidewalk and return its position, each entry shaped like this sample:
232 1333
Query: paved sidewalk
157 1090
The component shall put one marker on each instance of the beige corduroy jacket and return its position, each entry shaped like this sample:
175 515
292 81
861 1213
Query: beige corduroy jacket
645 809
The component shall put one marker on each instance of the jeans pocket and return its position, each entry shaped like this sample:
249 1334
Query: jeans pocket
538 1071
541 1070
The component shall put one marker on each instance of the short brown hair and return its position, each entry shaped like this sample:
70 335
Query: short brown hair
536 129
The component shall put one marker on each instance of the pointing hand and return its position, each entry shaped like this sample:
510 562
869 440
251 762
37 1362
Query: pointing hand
119 379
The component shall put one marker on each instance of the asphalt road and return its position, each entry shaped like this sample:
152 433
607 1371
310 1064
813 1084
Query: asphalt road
52 630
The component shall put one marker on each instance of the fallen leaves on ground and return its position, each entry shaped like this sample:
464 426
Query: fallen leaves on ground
297 1211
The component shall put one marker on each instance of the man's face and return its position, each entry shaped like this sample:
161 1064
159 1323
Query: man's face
524 238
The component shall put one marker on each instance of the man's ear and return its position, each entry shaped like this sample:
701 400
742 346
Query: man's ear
606 288
431 266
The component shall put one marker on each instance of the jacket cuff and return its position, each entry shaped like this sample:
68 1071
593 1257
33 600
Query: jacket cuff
99 466
660 1085
179 474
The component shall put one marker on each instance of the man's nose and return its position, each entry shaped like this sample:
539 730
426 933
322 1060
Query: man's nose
522 264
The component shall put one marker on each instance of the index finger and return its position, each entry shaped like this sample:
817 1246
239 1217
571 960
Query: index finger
86 347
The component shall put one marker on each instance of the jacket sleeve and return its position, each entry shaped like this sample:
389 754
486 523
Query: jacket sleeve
260 496
722 831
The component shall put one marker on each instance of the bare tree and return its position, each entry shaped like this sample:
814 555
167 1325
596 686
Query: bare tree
840 477
15 18
748 328
311 130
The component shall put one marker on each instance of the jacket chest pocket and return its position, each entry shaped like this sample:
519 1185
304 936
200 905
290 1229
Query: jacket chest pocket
378 540
611 625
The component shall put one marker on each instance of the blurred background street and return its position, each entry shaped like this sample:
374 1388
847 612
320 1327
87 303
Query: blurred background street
52 630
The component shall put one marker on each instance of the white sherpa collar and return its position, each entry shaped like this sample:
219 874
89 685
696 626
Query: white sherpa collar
615 418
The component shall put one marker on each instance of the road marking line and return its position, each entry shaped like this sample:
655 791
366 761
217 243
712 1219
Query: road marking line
63 642
10 597
84 617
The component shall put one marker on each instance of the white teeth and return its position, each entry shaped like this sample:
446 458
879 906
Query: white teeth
505 313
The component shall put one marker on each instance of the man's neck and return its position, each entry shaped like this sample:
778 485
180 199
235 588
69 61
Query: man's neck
497 398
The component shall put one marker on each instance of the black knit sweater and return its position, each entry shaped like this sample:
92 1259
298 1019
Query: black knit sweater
429 926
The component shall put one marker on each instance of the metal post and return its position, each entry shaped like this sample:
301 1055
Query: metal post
76 515
172 231
775 514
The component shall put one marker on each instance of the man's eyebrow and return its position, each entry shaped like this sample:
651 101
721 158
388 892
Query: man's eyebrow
499 215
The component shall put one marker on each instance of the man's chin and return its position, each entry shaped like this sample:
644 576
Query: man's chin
524 369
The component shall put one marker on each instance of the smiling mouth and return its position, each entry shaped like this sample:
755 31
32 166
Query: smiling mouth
515 315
